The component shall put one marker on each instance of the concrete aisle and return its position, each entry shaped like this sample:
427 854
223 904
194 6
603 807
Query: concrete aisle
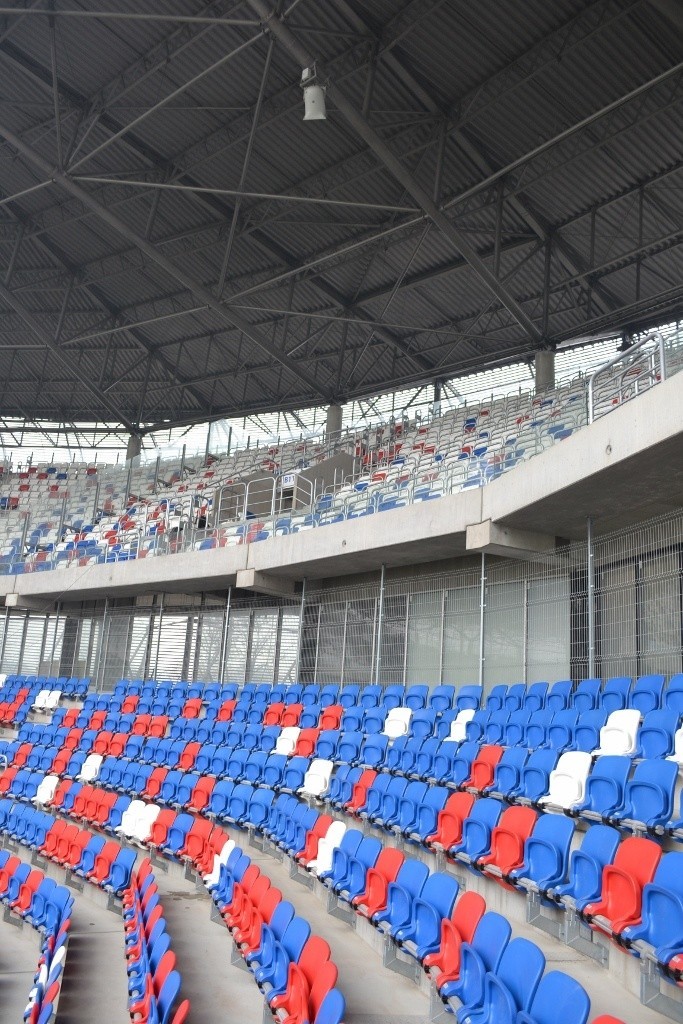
374 995
19 951
94 986
219 992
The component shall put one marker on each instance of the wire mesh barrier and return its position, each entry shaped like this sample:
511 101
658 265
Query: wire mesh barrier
495 621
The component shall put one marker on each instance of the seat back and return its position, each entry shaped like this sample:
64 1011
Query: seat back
561 998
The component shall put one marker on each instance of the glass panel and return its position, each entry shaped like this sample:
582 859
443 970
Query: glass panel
660 613
238 643
548 630
461 636
424 637
261 668
504 633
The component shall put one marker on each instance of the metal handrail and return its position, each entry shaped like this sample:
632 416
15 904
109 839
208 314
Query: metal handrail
619 358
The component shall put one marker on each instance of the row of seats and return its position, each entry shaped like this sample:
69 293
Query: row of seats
163 840
181 836
153 980
46 906
68 686
646 693
106 864
514 846
292 967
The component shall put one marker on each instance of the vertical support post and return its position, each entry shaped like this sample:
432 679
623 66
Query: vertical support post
380 619
405 642
54 641
525 634
442 636
96 501
482 607
102 652
229 439
182 463
4 637
156 473
208 444
224 638
591 597
346 626
301 630
128 481
161 618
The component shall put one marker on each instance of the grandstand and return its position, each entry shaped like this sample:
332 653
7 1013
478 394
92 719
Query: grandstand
341 512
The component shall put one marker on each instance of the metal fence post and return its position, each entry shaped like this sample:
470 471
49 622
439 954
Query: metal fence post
482 606
301 631
224 638
380 617
161 618
591 597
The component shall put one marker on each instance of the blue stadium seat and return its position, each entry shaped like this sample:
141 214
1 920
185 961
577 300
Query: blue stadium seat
615 693
586 696
673 695
605 788
477 830
586 864
515 728
557 998
506 776
655 736
509 989
534 777
647 692
495 700
559 695
477 958
514 698
560 732
649 795
422 934
468 697
441 698
661 927
537 729
401 893
536 697
587 730
546 854
416 696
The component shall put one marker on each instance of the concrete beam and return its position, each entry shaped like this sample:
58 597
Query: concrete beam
29 604
262 583
495 539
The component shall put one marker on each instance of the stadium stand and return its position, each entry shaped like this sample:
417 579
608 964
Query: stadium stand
341 512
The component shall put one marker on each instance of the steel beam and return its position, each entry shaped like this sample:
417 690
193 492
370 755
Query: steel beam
152 253
396 168
10 299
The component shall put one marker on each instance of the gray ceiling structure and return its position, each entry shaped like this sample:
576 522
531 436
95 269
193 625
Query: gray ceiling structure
177 244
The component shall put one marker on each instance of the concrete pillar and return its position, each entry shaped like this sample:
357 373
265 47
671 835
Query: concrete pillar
133 447
334 422
544 364
436 405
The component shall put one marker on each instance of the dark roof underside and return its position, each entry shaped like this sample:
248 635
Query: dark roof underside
491 179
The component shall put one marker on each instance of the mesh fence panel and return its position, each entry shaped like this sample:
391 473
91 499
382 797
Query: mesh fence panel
535 625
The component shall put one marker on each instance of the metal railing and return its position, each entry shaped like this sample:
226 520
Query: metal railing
639 373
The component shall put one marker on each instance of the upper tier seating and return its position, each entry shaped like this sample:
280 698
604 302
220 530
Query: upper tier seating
55 516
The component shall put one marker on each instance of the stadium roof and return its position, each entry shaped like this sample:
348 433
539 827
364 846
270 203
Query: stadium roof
177 244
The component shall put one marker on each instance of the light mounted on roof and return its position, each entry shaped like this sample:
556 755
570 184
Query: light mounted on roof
314 95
